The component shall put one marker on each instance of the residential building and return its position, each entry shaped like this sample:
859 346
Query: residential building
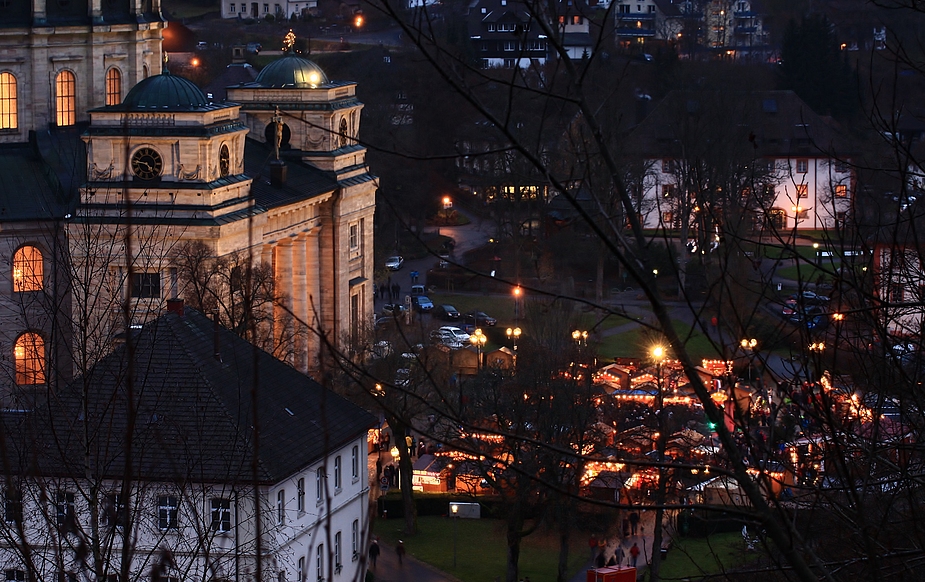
278 9
201 449
794 168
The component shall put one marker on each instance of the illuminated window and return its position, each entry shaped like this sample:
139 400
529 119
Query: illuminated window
113 87
65 98
8 102
29 354
802 190
28 269
841 190
778 218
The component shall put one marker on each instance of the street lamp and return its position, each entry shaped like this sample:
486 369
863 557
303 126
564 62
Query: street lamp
661 443
580 337
514 334
478 339
454 511
517 293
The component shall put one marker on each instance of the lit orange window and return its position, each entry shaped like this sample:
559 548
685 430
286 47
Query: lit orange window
29 353
28 269
8 102
113 87
65 98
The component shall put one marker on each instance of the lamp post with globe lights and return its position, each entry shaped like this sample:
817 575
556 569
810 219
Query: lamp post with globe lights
514 335
658 354
518 293
479 340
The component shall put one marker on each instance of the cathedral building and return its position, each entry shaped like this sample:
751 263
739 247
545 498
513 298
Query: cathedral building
117 167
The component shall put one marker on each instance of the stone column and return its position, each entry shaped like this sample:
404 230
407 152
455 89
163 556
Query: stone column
313 294
300 302
282 276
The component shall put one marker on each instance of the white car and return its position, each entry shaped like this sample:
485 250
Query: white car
457 333
394 263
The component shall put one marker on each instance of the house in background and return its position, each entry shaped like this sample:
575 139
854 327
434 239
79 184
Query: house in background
193 444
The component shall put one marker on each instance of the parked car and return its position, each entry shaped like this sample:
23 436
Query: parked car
422 303
456 332
446 338
417 290
480 318
393 309
447 312
394 263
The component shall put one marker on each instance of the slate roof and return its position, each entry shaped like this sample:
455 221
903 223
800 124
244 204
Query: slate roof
29 189
302 180
776 123
193 411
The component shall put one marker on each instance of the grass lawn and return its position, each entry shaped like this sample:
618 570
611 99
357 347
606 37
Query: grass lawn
697 557
636 342
189 8
481 548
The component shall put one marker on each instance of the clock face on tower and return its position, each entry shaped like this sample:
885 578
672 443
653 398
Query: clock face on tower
147 163
224 161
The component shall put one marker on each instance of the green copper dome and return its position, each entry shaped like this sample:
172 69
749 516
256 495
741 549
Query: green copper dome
165 92
291 72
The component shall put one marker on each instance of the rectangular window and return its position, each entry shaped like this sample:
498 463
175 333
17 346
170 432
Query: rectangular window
896 292
300 495
510 45
667 190
802 166
354 237
355 462
232 8
841 190
576 19
319 485
15 575
338 484
840 218
167 506
113 510
624 9
841 167
300 571
281 507
491 28
802 190
337 551
12 506
667 166
319 561
266 8
146 285
64 507
667 218
221 515
355 539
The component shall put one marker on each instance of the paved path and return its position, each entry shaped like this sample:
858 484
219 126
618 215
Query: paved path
410 570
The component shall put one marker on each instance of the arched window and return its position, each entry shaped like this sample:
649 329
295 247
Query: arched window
9 118
28 269
113 86
65 98
144 71
343 132
29 354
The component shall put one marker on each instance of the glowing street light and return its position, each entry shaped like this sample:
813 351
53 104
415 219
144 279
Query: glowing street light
580 337
749 344
479 340
514 334
517 292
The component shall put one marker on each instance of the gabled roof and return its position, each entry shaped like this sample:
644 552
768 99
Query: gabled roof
775 123
193 411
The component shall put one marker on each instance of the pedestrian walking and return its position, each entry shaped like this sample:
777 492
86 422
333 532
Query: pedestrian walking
374 552
618 555
400 550
634 522
634 554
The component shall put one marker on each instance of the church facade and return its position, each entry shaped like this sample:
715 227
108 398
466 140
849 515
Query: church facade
120 168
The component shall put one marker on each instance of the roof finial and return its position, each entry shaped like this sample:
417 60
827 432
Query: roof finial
166 58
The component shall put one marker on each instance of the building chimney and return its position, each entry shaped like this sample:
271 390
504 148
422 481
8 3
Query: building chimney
277 173
175 305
